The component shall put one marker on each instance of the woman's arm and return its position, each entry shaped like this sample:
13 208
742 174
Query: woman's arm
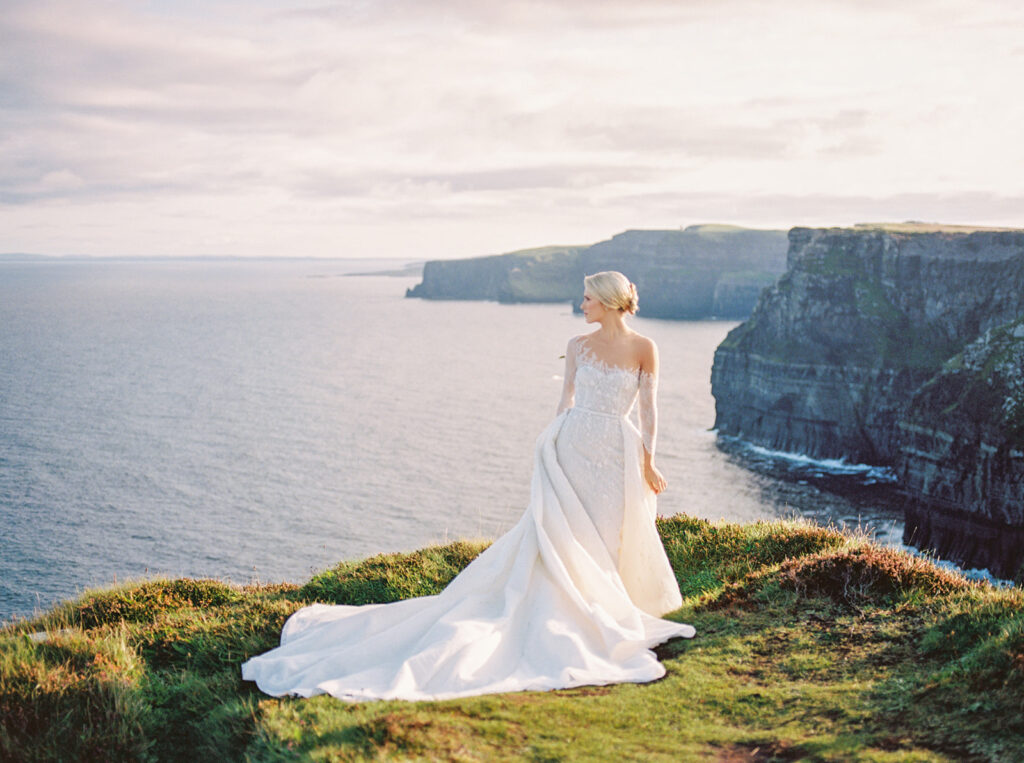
569 383
648 410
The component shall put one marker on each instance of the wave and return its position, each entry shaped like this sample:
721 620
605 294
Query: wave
823 466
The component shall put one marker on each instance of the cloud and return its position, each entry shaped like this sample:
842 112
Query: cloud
516 14
515 178
526 121
821 209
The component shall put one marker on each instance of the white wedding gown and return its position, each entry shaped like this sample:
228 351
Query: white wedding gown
570 596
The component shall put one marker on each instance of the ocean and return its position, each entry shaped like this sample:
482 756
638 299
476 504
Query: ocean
260 420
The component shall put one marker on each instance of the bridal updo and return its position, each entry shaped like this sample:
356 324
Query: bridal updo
613 290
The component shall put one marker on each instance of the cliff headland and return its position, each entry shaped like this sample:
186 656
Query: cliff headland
811 645
700 272
898 345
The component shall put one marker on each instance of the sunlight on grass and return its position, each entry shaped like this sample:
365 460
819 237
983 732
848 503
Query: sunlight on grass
811 645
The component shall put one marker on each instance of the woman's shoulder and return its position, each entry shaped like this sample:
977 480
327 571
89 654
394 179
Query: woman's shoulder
645 350
643 343
640 344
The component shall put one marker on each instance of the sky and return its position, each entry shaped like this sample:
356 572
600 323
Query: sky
428 129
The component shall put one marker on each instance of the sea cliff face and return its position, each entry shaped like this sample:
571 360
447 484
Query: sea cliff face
882 346
702 271
961 451
530 275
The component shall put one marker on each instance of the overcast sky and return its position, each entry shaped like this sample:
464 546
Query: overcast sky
444 128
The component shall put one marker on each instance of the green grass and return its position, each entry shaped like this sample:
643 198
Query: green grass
811 645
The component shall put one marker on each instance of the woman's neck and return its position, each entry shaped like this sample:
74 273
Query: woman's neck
613 326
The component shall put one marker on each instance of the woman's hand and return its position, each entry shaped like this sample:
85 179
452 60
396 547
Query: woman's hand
653 477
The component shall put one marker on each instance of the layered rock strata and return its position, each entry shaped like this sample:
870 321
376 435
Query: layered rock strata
700 272
853 353
961 449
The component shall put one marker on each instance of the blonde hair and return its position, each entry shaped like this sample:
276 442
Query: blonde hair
613 290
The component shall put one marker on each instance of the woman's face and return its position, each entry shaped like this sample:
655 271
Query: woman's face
593 310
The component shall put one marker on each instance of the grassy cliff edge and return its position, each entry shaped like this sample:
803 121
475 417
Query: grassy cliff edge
811 645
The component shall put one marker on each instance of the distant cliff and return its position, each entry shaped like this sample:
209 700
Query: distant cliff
699 272
529 275
872 346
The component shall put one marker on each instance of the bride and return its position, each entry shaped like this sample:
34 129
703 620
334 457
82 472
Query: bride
571 595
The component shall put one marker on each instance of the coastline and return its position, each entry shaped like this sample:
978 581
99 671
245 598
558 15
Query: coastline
827 486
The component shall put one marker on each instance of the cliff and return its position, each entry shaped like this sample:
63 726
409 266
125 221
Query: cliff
702 271
961 452
528 275
853 353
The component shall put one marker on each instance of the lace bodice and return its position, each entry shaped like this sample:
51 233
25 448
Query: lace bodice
594 386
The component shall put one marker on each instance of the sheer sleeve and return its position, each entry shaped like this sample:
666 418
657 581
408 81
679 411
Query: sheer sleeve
569 383
648 407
